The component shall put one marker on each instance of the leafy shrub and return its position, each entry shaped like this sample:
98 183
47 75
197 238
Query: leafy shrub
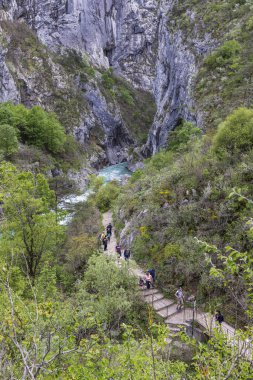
44 130
34 126
125 94
8 139
225 55
108 79
236 132
179 138
106 195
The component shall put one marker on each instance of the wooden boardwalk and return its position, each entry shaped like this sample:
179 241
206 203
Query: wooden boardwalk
167 308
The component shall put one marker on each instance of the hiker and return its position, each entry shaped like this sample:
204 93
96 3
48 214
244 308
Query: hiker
219 317
127 254
102 236
180 298
104 241
118 250
152 272
148 279
108 235
109 228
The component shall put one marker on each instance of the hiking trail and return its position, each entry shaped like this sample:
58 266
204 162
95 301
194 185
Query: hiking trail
167 308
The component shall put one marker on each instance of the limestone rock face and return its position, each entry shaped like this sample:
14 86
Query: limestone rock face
8 89
114 33
134 38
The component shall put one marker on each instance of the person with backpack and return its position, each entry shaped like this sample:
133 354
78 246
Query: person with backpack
118 250
152 272
180 298
127 254
104 241
108 235
219 317
109 228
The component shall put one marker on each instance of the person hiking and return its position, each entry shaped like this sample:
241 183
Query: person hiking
148 279
102 236
108 235
180 298
152 272
104 241
219 317
118 250
127 254
109 228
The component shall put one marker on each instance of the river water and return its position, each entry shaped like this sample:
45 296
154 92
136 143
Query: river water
117 172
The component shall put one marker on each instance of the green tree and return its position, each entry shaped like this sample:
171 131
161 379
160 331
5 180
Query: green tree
44 130
30 228
54 135
111 288
34 126
8 139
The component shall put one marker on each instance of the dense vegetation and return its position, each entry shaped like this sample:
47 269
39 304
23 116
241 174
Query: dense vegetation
66 310
195 190
32 126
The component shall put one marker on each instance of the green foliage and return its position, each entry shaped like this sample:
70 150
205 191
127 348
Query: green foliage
44 130
235 134
95 182
126 95
111 287
108 79
182 135
223 359
35 126
8 139
106 195
184 193
74 62
30 228
225 55
81 242
137 107
222 82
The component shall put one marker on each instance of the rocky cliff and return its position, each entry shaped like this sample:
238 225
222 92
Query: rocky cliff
157 47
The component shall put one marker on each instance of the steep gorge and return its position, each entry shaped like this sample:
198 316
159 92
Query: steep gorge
157 47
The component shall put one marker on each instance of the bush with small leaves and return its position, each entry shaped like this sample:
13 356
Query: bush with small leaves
8 139
235 134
